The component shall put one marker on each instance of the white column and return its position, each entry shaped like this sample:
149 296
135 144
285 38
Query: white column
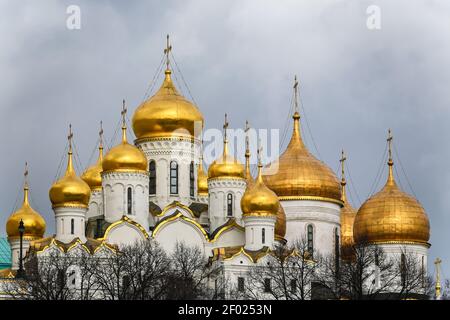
70 223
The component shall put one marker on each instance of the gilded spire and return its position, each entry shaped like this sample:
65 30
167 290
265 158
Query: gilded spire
437 263
248 174
124 122
25 186
296 136
259 178
100 146
391 179
343 181
70 170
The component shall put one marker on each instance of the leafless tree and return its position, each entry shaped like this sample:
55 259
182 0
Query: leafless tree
285 274
189 274
45 279
138 272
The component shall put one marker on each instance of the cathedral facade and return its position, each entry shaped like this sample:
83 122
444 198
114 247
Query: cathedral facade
157 187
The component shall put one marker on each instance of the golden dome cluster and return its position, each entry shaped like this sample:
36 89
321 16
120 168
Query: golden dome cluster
166 114
300 175
391 215
33 222
124 156
70 190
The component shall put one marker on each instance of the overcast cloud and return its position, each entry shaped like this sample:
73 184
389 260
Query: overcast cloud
239 57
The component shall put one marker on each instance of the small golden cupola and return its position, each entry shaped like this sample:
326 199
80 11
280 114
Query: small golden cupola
92 176
167 113
348 214
202 178
226 166
124 156
70 190
299 175
391 215
32 220
258 200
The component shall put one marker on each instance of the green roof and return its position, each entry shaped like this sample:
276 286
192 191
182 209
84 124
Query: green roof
5 254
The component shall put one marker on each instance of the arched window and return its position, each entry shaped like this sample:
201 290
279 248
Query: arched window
129 200
72 226
229 205
263 235
173 177
310 239
152 182
191 179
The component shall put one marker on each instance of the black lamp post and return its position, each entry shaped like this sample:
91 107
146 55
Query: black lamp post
21 273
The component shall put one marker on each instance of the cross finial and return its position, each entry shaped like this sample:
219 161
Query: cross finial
123 113
247 144
296 93
167 51
389 140
225 126
100 133
70 137
25 174
259 152
342 161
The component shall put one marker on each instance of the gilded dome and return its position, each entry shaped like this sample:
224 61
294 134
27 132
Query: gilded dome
202 180
226 166
125 157
33 222
92 175
70 190
300 175
258 200
391 215
166 114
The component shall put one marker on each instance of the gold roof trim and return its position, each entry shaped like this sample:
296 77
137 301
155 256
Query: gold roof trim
230 224
123 220
312 198
175 204
175 216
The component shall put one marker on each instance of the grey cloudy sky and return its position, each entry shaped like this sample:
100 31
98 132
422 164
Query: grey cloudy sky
239 57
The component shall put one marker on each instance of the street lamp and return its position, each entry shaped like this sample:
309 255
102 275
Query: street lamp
20 273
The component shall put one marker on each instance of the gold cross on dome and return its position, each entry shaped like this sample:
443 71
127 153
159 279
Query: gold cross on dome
259 151
26 170
342 161
123 112
70 137
225 126
296 93
167 51
389 140
100 133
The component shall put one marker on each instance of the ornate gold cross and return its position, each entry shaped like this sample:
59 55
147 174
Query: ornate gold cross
167 51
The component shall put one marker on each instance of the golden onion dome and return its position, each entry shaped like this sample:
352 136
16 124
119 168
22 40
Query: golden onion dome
33 222
166 114
226 166
280 223
92 175
125 157
70 190
202 180
258 200
300 176
391 215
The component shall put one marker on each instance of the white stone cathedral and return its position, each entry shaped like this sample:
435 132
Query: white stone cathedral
157 188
